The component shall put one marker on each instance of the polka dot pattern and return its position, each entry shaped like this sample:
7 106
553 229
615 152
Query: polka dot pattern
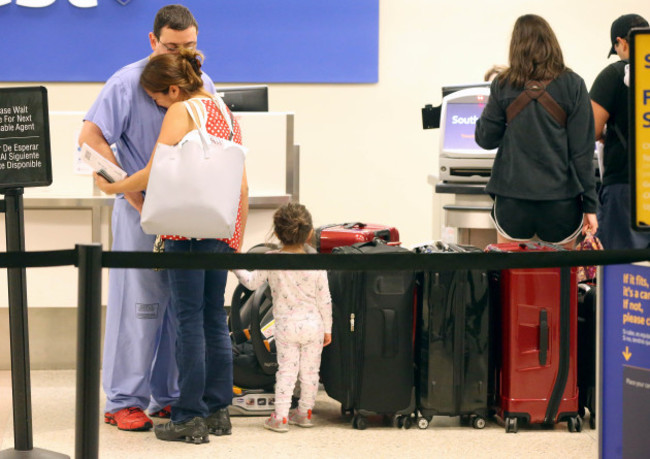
217 125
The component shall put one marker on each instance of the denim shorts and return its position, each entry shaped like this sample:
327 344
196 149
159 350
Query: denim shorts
557 222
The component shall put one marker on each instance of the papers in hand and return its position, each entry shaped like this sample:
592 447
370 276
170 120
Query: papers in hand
101 165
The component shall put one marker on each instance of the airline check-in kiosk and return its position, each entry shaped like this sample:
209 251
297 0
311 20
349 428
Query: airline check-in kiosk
463 167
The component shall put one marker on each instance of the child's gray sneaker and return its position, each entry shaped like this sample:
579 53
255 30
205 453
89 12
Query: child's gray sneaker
276 424
301 419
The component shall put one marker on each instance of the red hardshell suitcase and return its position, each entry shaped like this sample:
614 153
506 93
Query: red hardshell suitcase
538 380
330 236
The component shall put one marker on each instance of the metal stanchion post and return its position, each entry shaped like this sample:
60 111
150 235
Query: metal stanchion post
19 335
88 351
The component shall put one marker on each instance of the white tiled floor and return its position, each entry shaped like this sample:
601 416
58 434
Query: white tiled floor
53 400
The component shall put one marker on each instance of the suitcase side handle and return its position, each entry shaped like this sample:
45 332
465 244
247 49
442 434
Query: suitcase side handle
543 337
383 234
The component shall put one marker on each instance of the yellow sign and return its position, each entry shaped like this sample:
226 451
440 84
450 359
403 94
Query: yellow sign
641 127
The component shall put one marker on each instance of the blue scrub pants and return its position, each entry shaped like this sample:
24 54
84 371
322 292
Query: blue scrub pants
614 218
139 368
203 346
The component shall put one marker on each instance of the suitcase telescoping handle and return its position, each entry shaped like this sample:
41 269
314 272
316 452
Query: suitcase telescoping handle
543 337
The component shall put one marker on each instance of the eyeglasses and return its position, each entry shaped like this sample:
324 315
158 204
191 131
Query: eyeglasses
174 48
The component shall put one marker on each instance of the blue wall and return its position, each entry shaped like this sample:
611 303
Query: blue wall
244 41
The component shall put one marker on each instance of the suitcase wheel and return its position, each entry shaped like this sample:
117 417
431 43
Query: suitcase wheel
478 422
511 425
345 412
423 423
359 422
575 424
406 421
401 422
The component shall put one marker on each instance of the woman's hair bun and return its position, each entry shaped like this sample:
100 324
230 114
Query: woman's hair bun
194 57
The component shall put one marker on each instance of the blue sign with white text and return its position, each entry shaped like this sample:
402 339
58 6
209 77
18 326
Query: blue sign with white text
244 41
625 362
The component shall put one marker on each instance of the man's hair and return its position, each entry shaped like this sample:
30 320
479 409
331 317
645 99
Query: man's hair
176 17
535 53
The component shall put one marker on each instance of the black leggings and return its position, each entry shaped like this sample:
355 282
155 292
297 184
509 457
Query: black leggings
557 222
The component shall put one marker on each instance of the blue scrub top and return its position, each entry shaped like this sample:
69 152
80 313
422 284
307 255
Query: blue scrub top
128 117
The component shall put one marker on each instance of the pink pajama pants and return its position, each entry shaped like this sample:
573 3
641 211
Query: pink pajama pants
299 344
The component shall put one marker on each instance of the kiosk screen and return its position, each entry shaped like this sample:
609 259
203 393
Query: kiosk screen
460 123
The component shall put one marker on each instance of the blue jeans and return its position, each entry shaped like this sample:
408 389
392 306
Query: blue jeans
614 220
203 346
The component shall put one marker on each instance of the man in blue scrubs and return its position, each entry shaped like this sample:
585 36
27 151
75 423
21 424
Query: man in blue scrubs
139 367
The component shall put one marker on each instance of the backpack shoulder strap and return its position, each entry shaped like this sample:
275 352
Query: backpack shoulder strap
536 90
552 107
517 105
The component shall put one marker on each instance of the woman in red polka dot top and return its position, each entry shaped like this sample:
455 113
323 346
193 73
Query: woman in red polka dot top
204 353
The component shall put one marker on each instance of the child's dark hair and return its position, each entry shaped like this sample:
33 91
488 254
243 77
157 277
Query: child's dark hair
292 223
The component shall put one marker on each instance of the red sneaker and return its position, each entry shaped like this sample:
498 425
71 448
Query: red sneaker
132 418
165 412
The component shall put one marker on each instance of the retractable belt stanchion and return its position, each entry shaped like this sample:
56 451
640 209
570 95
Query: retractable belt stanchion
19 335
90 261
88 350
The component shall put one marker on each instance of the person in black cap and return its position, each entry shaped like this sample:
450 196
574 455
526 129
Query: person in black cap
609 100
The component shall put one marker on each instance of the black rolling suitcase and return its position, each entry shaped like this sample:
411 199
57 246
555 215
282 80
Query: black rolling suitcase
587 351
453 351
369 365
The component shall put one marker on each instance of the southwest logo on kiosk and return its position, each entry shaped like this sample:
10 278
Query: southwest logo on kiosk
464 119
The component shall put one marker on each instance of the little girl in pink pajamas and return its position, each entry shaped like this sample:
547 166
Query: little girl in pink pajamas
302 309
